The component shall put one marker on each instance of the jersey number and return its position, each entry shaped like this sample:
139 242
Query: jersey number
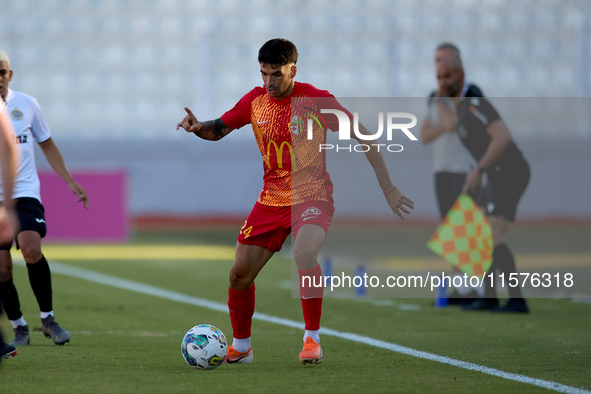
246 231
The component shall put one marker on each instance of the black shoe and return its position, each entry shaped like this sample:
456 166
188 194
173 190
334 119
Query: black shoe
21 336
53 330
7 350
455 299
515 305
482 304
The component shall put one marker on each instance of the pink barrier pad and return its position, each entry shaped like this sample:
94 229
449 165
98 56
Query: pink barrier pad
105 221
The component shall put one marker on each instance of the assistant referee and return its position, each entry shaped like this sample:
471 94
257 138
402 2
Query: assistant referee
484 134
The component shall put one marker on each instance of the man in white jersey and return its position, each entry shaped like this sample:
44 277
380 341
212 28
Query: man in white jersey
30 126
451 161
8 219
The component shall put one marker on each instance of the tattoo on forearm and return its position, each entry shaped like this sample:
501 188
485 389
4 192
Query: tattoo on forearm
213 130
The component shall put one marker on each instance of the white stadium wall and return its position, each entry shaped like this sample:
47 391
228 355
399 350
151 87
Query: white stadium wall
113 76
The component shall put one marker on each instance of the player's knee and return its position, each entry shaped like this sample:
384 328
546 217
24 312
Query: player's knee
5 272
499 226
305 258
31 253
238 281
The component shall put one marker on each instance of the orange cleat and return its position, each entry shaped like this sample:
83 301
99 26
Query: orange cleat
312 352
235 357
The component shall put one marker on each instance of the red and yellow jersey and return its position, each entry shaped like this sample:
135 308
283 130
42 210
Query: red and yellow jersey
295 168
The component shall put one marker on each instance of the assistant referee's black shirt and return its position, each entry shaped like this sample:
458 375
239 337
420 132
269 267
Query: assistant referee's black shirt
474 115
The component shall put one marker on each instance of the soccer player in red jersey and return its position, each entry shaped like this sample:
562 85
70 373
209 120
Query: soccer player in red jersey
296 195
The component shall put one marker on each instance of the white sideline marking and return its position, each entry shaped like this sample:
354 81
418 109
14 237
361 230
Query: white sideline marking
582 300
142 288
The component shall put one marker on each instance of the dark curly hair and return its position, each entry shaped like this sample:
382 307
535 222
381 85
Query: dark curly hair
278 51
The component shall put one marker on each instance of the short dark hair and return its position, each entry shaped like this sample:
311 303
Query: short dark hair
451 47
455 62
278 51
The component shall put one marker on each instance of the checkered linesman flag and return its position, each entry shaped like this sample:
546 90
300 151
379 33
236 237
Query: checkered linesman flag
464 238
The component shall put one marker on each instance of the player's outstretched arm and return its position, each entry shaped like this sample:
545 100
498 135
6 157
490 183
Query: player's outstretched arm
396 199
55 159
211 130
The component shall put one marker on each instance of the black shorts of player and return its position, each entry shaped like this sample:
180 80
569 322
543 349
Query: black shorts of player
448 186
31 215
504 190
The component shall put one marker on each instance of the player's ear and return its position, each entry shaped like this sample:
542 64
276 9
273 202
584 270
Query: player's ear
9 75
294 71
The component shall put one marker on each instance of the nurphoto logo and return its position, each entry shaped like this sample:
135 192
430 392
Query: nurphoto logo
345 127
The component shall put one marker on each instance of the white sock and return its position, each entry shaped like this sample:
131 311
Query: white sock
45 315
241 345
19 322
314 334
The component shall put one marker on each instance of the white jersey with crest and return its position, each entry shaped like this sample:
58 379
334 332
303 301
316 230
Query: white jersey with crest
29 126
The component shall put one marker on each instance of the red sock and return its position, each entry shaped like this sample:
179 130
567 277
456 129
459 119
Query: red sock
311 296
241 305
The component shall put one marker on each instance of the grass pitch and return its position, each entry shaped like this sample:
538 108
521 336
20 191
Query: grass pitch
124 341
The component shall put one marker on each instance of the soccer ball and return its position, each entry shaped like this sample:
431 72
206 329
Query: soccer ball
204 347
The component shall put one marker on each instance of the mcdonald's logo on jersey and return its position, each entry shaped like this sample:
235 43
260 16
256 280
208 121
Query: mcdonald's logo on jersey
279 154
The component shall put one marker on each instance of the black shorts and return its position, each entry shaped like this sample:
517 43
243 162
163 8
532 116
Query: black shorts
504 190
448 187
31 215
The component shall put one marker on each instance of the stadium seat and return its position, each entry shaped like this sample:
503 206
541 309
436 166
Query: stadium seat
380 48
